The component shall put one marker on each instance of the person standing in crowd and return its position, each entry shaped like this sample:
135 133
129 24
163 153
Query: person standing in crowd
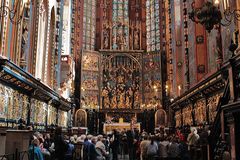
152 149
47 141
130 142
143 147
86 145
101 148
93 154
163 148
173 149
115 144
69 153
192 140
60 145
34 150
183 151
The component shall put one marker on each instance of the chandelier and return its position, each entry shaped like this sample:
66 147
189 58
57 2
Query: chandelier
210 15
5 11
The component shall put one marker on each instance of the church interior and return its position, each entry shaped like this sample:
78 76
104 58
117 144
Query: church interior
96 67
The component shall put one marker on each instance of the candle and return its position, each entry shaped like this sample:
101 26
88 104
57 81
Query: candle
224 5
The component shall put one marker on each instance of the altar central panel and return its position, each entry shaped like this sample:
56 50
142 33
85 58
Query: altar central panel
121 81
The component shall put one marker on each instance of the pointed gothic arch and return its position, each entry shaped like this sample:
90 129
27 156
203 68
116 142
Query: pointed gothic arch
51 54
42 39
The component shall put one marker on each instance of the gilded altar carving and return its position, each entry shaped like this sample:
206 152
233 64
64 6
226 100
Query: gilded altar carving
212 103
90 80
62 118
90 62
52 114
121 83
200 111
89 100
187 115
178 118
38 111
13 105
152 80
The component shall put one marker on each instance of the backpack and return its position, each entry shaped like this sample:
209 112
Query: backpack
152 149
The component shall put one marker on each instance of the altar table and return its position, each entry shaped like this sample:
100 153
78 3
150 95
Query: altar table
109 127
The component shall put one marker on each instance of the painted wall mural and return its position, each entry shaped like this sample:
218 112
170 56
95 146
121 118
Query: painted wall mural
90 80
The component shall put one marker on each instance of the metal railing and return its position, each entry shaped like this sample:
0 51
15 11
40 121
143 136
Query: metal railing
23 155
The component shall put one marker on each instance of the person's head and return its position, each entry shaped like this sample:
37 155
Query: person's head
37 134
193 130
100 137
89 137
41 140
66 138
72 140
152 138
35 142
94 140
145 137
47 136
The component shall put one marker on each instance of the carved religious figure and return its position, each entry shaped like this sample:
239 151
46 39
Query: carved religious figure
136 39
105 37
105 98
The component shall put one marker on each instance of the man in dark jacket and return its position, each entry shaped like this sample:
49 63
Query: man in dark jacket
93 155
115 144
60 145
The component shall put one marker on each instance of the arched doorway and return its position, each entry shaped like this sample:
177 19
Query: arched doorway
160 118
81 118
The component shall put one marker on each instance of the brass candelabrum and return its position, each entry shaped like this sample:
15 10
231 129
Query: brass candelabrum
11 13
210 15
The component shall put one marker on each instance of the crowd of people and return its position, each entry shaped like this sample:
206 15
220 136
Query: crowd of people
125 144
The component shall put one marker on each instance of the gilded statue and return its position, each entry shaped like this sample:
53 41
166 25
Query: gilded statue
114 101
121 101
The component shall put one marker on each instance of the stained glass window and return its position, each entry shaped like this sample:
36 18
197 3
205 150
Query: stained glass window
120 24
89 24
152 24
